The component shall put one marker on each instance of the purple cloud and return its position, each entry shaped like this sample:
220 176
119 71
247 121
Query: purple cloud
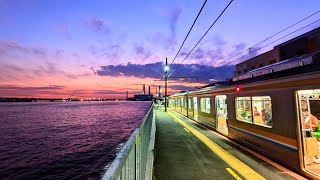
168 40
97 25
12 68
181 87
209 55
154 70
218 41
63 29
59 52
173 19
142 51
93 70
51 69
11 48
240 46
26 88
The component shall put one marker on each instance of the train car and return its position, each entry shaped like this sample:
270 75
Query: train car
273 114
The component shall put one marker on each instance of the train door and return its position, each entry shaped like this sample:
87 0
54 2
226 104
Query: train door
221 113
195 108
309 115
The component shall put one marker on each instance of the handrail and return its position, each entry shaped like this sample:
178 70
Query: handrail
131 160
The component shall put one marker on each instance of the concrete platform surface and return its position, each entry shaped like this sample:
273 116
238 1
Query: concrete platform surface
187 150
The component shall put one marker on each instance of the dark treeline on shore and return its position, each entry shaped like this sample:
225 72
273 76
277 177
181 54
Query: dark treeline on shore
14 99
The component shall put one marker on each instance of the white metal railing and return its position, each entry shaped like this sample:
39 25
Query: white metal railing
135 159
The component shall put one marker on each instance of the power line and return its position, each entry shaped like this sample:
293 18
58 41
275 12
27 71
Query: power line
231 57
276 33
276 40
204 3
203 36
270 43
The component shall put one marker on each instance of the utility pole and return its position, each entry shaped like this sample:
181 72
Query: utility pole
166 68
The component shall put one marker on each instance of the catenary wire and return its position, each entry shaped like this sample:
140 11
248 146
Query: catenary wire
266 39
204 3
268 44
202 36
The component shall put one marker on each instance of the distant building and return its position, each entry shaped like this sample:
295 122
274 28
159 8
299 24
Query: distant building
307 43
143 97
261 60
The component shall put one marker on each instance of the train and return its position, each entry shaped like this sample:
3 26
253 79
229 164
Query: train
265 112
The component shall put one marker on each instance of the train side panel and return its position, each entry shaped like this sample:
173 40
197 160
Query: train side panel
279 142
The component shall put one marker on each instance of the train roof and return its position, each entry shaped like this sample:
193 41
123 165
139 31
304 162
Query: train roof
301 70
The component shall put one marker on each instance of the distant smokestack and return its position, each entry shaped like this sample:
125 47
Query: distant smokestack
156 91
144 89
149 90
127 95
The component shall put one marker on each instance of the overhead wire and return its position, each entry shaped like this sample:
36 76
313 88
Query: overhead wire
202 37
266 39
270 43
204 3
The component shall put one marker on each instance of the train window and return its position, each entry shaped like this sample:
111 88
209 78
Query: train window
243 109
182 102
208 105
205 105
262 110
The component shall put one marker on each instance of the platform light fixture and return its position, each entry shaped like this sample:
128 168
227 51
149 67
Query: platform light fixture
166 68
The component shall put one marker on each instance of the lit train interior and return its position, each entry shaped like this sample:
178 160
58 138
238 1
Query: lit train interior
309 112
221 105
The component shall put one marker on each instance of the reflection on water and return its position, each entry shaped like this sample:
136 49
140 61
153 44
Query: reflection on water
64 140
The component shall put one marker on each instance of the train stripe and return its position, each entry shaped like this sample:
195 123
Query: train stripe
270 135
278 143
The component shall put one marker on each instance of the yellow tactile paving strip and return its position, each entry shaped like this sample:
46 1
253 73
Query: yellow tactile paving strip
233 174
235 163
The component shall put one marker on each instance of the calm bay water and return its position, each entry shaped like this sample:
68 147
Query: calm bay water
71 140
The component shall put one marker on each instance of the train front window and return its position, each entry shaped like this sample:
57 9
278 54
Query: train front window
262 110
243 109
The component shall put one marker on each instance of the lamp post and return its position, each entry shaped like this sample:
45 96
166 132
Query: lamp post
166 68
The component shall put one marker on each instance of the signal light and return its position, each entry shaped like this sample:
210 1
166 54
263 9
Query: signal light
238 89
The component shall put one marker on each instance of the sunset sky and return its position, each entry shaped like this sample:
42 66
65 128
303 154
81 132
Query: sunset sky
104 48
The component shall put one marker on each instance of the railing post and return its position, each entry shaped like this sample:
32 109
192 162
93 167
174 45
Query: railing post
137 157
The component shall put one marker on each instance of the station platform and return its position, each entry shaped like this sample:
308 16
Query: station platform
185 149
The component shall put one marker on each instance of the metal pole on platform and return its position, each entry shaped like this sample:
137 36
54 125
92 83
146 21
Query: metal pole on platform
166 68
